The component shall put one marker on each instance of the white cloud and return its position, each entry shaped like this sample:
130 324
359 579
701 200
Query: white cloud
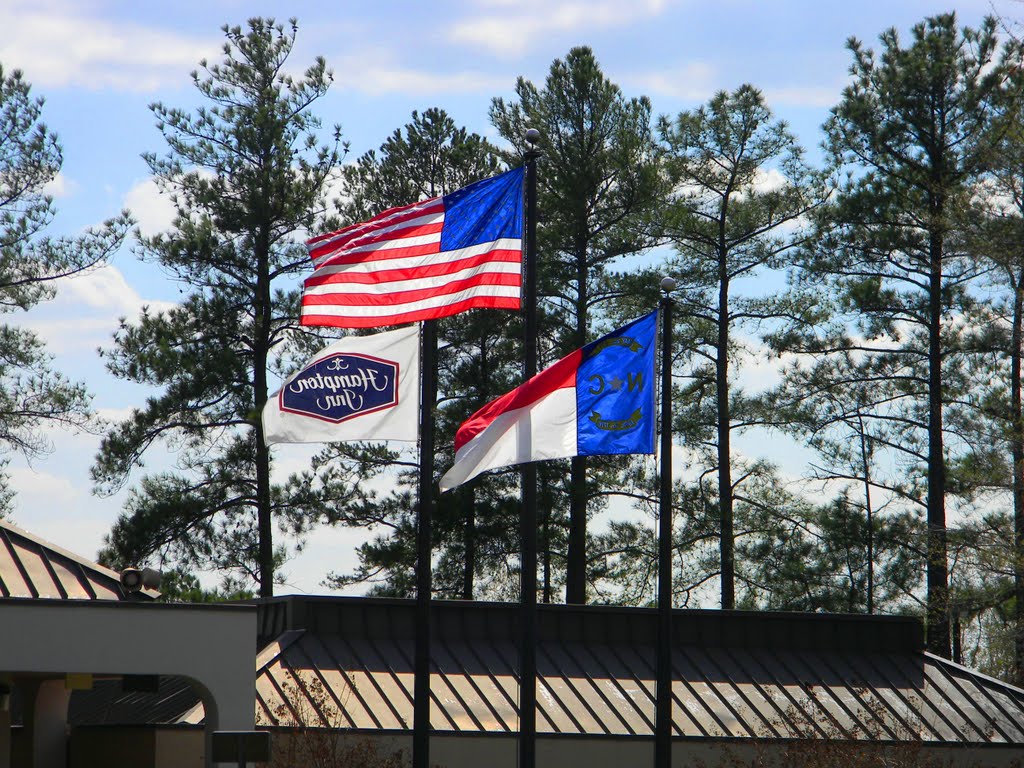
106 290
693 81
72 337
510 29
114 414
755 370
59 491
152 209
377 73
85 311
58 505
60 186
699 81
328 549
770 180
816 96
58 44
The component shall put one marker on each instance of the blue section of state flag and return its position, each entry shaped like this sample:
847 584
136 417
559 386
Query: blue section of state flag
484 212
615 391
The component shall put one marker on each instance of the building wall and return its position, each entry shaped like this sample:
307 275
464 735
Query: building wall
139 747
499 751
135 747
179 748
213 646
116 747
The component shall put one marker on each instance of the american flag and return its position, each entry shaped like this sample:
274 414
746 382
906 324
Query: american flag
431 259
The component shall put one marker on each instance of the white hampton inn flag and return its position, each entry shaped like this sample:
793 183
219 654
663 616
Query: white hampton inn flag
359 388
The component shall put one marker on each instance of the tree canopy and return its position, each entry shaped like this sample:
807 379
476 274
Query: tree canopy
33 394
247 176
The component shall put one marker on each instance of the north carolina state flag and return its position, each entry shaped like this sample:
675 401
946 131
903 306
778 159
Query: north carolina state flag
598 400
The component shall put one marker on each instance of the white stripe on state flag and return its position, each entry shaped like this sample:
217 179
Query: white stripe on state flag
544 429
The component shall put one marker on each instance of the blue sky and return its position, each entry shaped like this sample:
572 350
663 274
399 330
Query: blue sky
100 63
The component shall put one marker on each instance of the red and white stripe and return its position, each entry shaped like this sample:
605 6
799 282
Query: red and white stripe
390 270
534 422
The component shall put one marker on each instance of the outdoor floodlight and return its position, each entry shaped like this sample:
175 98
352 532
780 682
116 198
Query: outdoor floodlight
137 579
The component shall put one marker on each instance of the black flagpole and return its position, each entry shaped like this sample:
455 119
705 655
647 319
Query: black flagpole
663 702
421 663
528 514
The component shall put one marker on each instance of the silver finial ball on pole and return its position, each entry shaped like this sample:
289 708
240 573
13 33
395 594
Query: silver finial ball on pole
532 136
668 284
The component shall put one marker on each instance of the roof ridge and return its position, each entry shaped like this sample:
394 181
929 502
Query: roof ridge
276 647
59 550
974 673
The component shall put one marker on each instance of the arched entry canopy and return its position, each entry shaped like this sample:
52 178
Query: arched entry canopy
43 641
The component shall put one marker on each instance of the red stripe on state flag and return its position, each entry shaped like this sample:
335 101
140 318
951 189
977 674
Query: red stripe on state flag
559 376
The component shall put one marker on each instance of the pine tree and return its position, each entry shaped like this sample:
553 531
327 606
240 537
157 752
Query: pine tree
33 395
912 130
247 178
597 180
993 229
741 190
478 360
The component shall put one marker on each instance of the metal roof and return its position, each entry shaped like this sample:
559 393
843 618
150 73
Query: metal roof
108 703
33 567
347 662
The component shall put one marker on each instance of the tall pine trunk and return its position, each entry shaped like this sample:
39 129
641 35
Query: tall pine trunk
1017 450
868 513
937 567
261 351
728 579
576 567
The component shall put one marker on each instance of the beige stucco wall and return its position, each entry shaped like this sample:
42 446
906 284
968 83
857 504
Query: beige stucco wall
181 748
499 751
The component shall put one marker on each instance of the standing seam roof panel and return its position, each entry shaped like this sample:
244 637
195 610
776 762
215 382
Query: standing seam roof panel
842 679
